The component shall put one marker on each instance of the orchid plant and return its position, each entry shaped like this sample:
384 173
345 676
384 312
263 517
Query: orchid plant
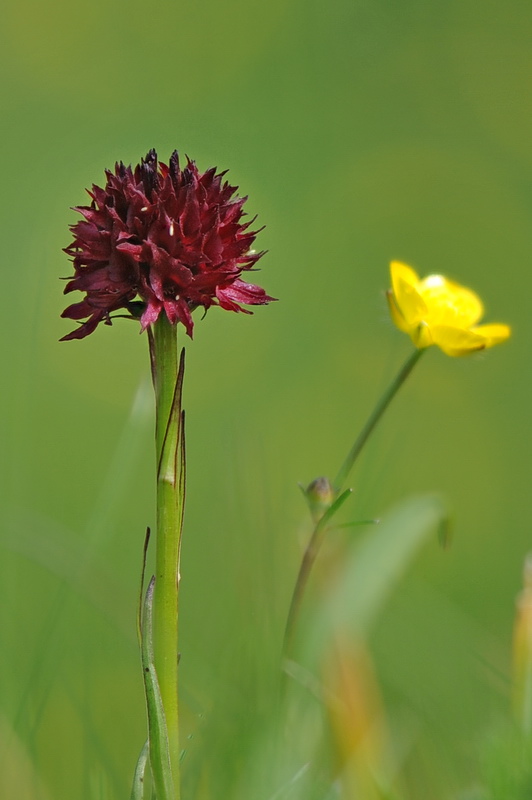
156 243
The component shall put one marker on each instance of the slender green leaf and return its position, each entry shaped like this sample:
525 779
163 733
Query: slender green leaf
331 511
137 791
356 523
169 456
157 732
141 590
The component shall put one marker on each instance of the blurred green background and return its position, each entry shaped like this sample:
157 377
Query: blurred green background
362 131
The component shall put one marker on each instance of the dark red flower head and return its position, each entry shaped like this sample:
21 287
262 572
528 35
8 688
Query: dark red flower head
161 238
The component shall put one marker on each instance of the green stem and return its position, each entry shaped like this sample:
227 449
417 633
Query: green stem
169 437
375 416
320 525
309 557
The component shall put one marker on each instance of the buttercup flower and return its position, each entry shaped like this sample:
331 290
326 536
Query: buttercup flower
435 310
161 239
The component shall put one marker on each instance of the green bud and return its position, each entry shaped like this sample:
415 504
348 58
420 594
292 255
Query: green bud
320 496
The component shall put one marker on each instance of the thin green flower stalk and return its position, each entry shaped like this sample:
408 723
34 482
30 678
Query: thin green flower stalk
375 417
324 500
432 311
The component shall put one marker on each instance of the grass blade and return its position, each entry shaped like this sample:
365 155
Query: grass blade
375 566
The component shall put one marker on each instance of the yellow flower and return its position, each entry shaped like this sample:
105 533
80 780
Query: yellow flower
435 310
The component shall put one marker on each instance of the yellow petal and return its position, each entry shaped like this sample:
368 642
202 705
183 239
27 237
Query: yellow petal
409 302
448 303
457 341
395 314
493 333
403 271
